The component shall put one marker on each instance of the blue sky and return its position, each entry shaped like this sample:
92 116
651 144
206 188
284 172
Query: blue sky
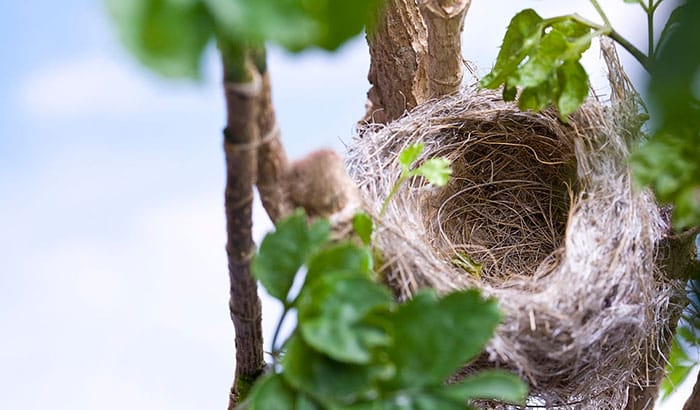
113 284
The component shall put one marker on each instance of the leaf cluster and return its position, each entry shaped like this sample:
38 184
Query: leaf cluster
541 58
353 346
170 36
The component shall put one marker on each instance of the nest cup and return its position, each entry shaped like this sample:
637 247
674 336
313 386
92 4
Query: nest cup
542 215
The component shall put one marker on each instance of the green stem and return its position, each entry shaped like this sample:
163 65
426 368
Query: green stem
610 32
236 59
394 189
600 11
636 53
275 336
650 28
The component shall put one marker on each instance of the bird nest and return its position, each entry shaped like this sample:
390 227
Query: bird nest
543 216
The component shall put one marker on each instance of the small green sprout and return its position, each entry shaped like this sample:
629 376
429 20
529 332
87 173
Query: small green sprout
436 170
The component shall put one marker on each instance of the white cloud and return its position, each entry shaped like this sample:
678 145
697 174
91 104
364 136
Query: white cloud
102 85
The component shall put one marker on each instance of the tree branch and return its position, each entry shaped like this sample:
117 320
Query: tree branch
693 402
242 85
445 21
398 48
272 158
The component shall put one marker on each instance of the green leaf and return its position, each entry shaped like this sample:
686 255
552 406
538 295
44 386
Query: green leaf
673 22
488 385
464 261
540 67
304 402
572 29
300 24
573 83
669 162
327 380
285 250
509 92
412 399
673 85
677 370
271 392
536 98
686 334
363 226
523 33
436 170
342 257
331 317
543 60
168 36
460 323
409 155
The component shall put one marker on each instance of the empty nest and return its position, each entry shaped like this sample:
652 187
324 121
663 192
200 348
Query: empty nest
547 217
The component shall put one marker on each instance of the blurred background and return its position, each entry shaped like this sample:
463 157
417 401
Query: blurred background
113 280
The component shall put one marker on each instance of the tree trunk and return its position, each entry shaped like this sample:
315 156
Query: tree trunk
398 47
445 21
416 54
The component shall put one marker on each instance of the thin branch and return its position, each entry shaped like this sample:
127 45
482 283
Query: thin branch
272 158
642 58
242 86
445 22
275 337
636 53
650 27
693 401
602 14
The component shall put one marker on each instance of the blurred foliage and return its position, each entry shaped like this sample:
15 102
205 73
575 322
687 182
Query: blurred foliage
354 347
685 350
170 36
669 161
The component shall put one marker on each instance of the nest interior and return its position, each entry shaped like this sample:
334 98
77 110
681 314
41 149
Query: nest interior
506 206
542 215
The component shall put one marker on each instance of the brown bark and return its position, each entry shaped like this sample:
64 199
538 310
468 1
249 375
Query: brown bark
241 137
693 402
398 49
678 260
272 159
444 20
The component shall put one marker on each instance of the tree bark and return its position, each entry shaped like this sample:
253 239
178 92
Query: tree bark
272 158
242 85
693 402
398 47
445 21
